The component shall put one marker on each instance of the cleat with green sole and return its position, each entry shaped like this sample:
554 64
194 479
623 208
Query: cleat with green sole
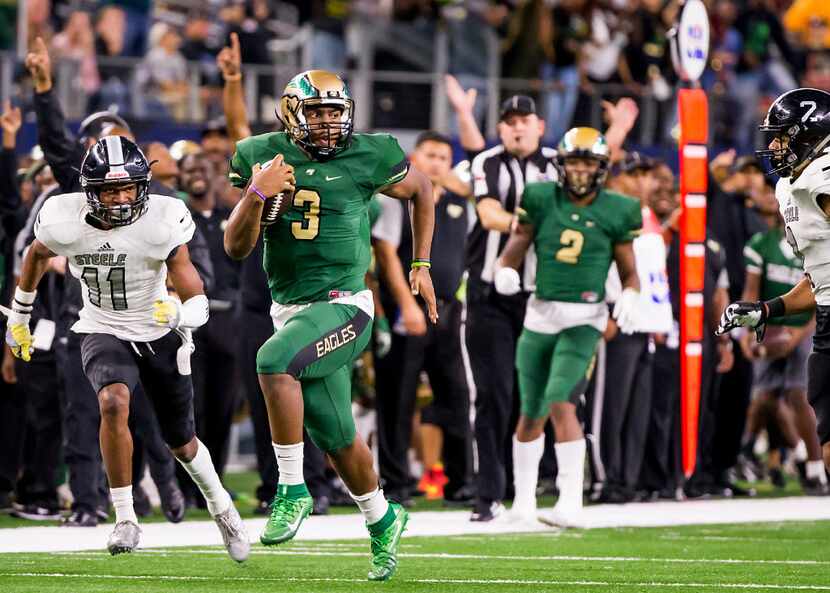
385 546
286 516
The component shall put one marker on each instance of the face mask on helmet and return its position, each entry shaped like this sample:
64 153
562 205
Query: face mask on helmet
113 163
107 208
779 156
309 111
582 162
796 130
582 176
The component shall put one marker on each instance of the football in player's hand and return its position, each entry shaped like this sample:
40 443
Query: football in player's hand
278 203
274 207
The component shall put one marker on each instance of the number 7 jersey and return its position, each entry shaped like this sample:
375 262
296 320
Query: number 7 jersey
123 269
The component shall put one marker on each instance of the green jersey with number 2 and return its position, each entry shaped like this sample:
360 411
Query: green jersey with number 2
575 244
322 243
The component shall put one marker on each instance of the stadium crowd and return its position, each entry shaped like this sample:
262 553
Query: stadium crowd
440 403
573 48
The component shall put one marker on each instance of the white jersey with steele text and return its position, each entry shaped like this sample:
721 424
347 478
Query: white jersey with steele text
122 270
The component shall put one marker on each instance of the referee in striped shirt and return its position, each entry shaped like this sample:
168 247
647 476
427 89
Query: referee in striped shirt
494 321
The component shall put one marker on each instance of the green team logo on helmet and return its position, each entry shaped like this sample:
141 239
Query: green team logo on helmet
317 88
582 143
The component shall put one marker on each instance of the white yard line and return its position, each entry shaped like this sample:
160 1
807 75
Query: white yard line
449 556
361 553
495 582
195 533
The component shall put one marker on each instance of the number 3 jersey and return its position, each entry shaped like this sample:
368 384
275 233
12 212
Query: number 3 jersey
122 270
322 242
807 226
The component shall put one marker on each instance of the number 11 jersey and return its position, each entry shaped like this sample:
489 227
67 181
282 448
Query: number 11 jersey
123 269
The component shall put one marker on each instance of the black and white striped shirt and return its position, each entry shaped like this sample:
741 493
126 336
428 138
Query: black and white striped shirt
502 176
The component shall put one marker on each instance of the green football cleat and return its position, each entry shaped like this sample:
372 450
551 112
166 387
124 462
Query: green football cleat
286 516
385 546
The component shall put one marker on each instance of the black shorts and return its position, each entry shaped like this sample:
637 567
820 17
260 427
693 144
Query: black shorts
109 360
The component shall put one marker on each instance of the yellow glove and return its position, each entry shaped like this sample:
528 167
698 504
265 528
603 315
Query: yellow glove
20 340
166 312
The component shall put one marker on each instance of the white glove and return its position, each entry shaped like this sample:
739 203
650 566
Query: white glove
507 281
625 310
171 312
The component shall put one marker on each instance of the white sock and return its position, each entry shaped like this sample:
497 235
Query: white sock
570 457
122 502
290 463
373 505
204 474
526 457
815 469
800 452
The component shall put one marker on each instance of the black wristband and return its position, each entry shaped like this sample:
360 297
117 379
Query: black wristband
775 308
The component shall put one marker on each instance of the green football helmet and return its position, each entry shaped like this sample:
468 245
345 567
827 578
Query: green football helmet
585 143
317 88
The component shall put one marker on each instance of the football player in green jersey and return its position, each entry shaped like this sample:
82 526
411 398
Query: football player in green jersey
321 177
578 229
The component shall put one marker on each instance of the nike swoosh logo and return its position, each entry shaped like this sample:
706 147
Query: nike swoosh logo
296 524
333 178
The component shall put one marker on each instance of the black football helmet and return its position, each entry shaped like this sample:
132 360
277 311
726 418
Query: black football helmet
800 121
114 161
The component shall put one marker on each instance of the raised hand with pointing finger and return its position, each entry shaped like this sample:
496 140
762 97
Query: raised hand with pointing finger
39 66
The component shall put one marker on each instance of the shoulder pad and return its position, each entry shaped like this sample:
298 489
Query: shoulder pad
61 218
170 222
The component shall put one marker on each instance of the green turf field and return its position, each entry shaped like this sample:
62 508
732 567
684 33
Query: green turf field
755 557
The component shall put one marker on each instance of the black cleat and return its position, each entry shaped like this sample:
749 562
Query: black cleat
263 508
463 497
172 501
80 518
776 476
321 505
814 487
486 510
36 511
141 502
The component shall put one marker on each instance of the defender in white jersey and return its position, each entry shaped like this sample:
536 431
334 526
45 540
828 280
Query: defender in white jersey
124 245
798 148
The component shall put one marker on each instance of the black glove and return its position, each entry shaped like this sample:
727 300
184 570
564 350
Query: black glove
744 314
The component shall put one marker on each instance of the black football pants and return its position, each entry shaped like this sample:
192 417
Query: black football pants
493 328
626 408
